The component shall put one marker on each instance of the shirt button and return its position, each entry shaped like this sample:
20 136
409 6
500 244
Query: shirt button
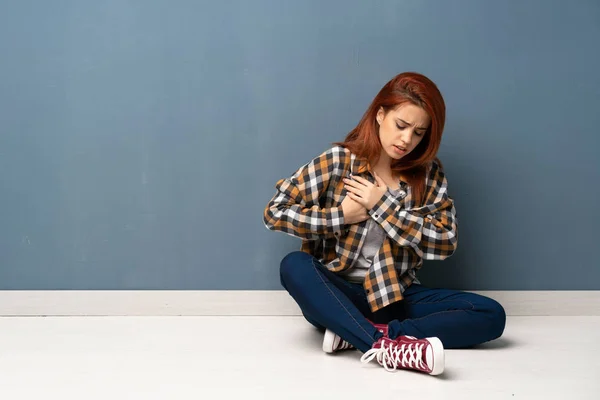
376 215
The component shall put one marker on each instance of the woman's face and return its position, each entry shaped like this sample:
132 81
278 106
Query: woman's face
402 129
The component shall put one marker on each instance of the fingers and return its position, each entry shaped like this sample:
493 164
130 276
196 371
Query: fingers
352 183
363 181
356 193
356 198
355 189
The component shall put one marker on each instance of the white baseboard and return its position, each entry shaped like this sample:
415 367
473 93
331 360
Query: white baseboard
248 302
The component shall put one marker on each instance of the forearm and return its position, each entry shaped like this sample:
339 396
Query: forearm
431 231
302 222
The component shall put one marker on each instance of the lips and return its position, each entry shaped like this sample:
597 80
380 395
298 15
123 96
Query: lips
400 148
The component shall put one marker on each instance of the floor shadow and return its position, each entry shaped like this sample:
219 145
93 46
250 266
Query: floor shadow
314 337
500 343
447 375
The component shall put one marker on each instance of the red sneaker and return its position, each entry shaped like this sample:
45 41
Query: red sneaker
407 352
333 343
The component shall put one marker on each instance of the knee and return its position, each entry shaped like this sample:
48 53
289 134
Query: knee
293 266
497 318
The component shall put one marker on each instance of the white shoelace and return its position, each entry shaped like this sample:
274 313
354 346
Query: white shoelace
406 356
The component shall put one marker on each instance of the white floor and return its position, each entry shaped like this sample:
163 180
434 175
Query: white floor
279 358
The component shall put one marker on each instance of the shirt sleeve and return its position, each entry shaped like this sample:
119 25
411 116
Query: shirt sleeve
295 209
431 230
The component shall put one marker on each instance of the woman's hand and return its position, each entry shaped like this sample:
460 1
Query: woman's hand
364 192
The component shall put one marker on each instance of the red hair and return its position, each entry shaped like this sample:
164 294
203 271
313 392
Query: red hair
408 87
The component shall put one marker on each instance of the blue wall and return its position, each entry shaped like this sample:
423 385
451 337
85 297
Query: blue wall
141 140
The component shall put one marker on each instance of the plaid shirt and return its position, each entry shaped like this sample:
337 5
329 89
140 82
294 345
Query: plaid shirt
308 205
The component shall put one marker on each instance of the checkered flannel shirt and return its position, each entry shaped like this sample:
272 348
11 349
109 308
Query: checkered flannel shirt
307 205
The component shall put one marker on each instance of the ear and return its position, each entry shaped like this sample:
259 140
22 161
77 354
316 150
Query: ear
380 115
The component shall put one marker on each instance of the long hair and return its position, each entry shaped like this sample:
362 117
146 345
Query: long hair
408 87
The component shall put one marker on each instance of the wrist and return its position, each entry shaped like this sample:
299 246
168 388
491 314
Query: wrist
374 202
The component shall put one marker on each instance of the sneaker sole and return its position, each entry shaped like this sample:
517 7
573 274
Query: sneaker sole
329 341
438 355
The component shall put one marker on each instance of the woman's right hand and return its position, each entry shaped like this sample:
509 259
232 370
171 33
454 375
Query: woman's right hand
353 211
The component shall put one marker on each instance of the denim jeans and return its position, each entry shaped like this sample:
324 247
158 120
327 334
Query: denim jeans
459 319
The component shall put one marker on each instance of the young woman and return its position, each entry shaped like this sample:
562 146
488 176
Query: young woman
369 211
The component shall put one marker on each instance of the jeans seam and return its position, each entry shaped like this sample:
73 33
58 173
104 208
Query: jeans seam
338 300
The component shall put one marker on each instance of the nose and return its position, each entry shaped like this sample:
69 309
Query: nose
406 137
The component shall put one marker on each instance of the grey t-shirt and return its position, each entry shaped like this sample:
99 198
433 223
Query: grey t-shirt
372 244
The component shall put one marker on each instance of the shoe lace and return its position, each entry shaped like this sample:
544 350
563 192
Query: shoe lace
392 356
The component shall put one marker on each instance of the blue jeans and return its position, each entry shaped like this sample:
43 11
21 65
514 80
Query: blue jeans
458 319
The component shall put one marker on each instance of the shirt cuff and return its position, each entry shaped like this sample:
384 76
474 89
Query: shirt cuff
384 207
335 220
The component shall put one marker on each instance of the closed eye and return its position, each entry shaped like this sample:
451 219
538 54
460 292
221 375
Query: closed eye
418 133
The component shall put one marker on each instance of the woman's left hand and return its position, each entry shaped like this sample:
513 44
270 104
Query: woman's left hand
364 192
